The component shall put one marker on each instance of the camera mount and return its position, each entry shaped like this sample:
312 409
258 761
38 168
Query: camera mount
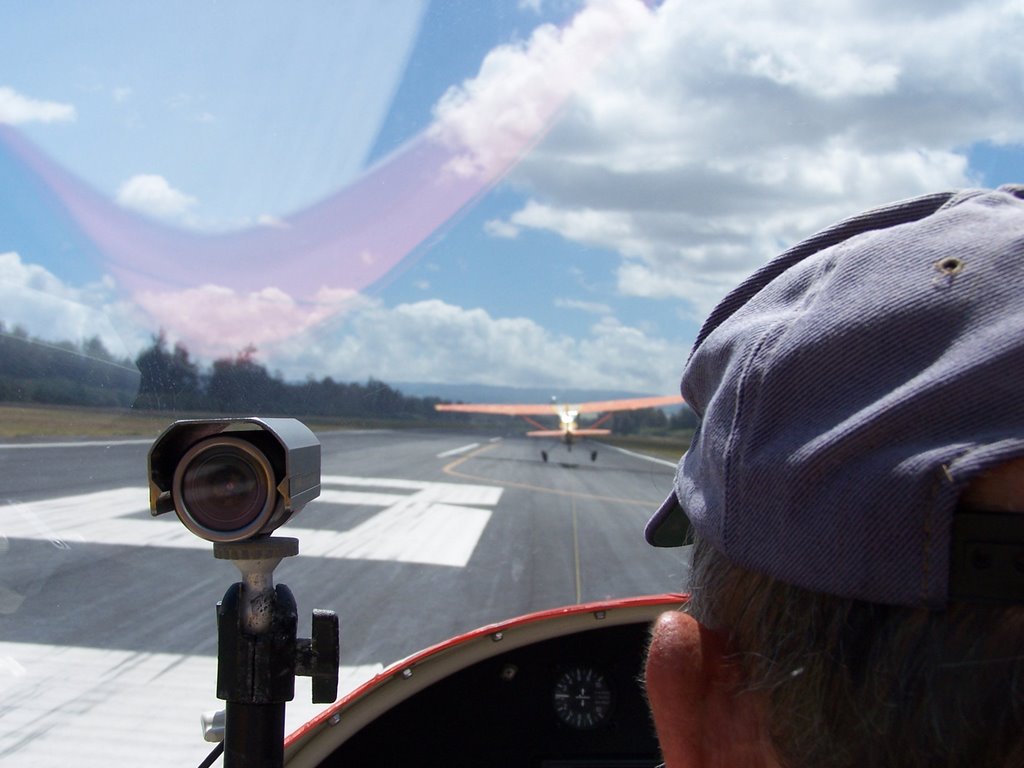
259 655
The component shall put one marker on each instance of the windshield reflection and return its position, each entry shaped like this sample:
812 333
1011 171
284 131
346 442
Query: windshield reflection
354 213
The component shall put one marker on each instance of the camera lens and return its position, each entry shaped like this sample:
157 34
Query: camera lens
224 489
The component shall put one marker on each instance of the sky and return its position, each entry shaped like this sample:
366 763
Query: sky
545 193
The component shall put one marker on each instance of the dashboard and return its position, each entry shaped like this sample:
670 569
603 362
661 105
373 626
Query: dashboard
568 694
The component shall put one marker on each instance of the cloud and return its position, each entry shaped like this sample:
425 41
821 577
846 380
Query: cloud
490 120
726 130
152 195
435 341
341 334
503 229
216 321
591 307
16 109
35 299
274 222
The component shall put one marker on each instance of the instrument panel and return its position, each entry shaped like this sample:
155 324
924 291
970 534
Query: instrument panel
574 701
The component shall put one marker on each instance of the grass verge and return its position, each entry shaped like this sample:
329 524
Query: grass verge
19 421
669 447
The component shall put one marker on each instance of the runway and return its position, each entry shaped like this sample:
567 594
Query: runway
108 642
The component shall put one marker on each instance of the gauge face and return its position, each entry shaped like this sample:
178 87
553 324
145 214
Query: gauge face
582 697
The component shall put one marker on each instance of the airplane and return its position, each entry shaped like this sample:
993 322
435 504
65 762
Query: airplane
569 430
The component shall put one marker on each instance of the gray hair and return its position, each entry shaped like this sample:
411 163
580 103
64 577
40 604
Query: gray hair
852 683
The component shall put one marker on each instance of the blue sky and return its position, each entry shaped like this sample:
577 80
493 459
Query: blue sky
600 171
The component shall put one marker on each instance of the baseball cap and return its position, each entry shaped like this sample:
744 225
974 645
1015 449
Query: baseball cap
849 390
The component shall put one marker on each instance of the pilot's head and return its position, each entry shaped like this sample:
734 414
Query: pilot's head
854 491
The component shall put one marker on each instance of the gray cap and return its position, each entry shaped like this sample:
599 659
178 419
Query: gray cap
850 389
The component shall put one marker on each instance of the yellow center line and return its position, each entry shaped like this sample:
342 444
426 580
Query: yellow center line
451 469
576 554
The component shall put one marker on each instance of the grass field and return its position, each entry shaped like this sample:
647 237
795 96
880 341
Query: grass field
19 421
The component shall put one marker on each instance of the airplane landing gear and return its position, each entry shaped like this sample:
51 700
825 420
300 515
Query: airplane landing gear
544 455
593 455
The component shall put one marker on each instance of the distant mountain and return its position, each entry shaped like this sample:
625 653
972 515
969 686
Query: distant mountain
482 393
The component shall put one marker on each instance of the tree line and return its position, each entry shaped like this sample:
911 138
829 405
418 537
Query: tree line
163 377
172 380
34 370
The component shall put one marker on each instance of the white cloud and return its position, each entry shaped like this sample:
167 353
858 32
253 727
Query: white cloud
48 308
435 341
491 120
726 130
503 229
152 195
341 334
591 307
215 321
274 222
16 109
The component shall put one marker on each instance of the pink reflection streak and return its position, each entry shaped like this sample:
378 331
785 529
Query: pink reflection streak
205 286
348 241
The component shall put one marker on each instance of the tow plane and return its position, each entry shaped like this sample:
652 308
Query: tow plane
569 430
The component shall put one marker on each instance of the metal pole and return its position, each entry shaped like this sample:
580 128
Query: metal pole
256 644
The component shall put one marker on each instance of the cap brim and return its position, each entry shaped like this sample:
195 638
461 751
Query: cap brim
669 526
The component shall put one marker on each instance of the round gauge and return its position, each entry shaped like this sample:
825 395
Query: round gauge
582 697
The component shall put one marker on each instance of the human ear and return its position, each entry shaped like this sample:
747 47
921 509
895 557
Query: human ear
702 717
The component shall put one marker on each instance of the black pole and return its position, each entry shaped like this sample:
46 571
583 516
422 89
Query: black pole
254 735
256 676
258 654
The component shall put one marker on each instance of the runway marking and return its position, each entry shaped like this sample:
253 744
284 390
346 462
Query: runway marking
643 456
76 444
576 552
435 524
92 707
457 451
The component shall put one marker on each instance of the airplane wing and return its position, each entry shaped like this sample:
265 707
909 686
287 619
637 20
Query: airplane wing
544 409
576 432
502 409
629 404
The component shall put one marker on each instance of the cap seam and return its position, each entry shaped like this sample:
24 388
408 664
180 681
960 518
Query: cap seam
742 396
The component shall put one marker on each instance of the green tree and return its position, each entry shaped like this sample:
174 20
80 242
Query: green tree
170 379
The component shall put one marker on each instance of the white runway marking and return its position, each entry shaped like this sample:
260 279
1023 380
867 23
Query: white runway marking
93 707
457 451
431 523
75 444
642 456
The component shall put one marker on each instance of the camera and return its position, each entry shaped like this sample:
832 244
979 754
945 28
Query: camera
234 479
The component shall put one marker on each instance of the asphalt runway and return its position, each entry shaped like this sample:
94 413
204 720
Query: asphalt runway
107 633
